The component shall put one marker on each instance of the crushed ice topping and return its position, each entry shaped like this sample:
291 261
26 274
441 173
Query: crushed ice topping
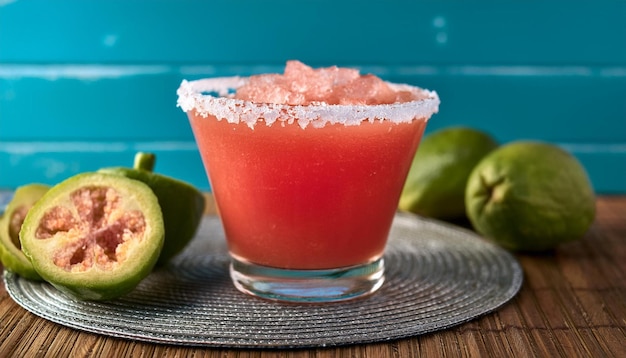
303 85
306 96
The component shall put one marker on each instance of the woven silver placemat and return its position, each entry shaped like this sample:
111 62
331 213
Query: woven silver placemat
437 276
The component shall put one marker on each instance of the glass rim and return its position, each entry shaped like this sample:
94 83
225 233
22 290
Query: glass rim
213 97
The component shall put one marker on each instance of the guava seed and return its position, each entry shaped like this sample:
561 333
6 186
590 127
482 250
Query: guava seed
99 232
17 219
57 219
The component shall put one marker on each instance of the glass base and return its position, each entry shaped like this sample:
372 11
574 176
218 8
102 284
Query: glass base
307 285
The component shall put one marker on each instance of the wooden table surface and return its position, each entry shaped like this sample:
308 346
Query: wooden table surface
572 304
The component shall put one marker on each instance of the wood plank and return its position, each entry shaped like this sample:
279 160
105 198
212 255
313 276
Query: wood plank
583 109
554 314
72 129
248 31
52 162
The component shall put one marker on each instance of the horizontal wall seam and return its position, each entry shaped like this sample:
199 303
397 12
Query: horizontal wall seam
96 72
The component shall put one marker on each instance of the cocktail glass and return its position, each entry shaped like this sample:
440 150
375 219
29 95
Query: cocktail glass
306 194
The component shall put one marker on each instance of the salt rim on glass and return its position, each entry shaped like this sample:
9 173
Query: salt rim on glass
199 95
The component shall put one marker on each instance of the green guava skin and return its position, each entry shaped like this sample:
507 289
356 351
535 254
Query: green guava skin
530 196
435 185
182 205
11 255
95 283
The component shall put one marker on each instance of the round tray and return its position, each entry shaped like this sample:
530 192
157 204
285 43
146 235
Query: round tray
437 276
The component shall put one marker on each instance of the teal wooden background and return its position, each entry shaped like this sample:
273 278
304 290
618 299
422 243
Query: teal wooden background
85 84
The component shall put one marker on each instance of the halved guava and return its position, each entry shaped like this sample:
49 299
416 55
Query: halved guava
94 236
11 255
181 203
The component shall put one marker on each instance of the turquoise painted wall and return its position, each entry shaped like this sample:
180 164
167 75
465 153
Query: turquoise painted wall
85 84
